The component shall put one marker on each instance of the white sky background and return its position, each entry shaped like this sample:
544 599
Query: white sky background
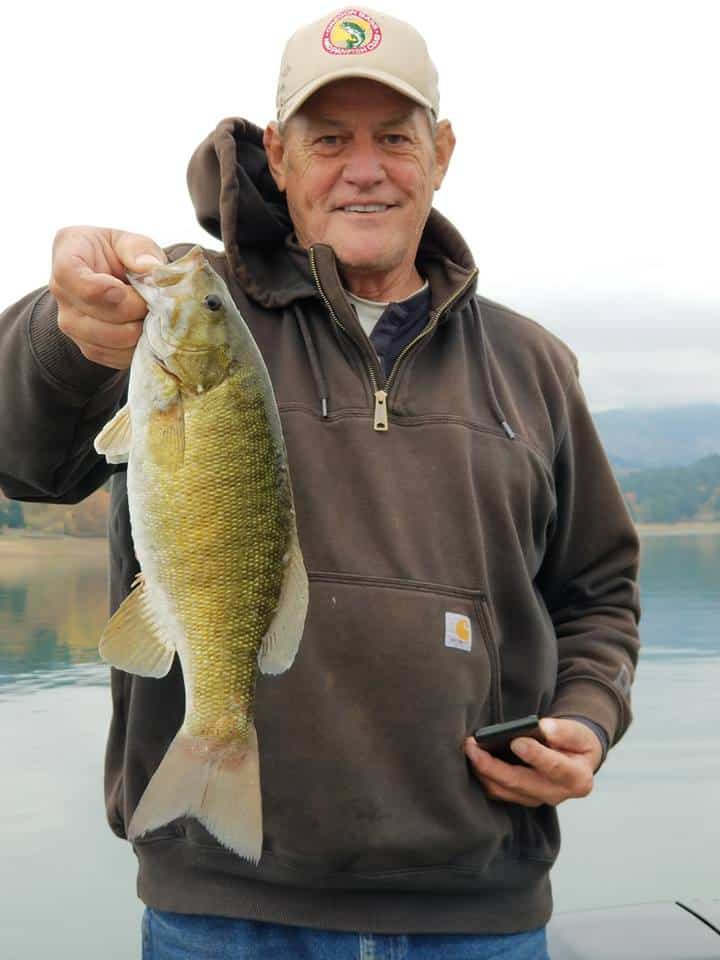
585 177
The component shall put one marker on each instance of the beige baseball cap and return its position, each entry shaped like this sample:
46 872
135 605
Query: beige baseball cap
356 42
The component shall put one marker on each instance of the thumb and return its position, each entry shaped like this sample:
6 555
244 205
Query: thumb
137 252
567 734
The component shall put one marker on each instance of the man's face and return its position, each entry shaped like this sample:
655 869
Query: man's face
358 142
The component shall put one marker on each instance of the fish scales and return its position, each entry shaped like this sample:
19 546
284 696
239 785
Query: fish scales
235 496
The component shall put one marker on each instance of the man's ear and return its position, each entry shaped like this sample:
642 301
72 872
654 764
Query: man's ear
444 146
275 153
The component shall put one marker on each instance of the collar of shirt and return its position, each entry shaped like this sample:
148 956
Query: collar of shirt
390 326
393 313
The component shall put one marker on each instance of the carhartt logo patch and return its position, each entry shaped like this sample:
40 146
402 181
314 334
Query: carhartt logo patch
351 31
458 631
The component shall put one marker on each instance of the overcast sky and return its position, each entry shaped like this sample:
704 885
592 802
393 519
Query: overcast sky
585 177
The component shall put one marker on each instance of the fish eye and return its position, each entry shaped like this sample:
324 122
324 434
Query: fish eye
212 301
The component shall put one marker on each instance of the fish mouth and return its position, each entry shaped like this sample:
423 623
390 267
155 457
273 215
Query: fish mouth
150 285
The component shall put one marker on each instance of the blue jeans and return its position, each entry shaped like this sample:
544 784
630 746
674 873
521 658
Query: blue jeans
184 936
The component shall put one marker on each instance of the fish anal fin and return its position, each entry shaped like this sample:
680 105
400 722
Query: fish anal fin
115 438
282 639
132 640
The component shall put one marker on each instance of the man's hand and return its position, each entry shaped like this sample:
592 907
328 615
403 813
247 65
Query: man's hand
100 312
557 772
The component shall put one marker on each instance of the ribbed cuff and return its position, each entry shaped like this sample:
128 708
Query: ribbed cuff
58 355
596 729
593 700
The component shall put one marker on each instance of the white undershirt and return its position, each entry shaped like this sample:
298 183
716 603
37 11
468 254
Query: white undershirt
370 311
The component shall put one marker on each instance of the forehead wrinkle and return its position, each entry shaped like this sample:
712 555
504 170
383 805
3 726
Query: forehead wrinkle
391 122
398 118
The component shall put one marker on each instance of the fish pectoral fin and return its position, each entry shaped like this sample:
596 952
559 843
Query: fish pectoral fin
166 434
115 437
282 639
133 641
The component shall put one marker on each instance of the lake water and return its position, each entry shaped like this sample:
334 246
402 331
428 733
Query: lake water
649 831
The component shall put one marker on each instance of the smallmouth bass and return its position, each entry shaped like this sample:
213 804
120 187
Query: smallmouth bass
222 580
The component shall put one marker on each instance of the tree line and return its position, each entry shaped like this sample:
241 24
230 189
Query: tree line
671 494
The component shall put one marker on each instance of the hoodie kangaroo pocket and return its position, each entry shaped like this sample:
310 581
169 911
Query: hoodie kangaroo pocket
363 772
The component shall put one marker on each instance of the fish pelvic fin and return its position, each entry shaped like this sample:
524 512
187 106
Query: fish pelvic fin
217 783
282 639
115 438
132 639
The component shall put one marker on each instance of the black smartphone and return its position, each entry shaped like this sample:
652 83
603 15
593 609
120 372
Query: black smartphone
496 738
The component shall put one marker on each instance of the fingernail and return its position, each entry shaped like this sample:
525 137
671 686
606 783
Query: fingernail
147 260
520 748
114 295
550 727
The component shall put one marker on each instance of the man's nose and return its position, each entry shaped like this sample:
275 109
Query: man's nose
364 165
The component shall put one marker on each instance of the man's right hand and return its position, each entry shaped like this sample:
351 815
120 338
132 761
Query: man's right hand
97 309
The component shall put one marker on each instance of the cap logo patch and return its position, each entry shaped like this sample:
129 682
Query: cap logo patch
351 31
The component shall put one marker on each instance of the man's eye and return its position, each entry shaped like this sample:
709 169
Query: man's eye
395 138
330 140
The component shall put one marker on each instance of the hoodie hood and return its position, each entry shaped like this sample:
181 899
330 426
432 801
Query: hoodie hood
236 200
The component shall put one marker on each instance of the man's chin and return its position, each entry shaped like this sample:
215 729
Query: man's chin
375 260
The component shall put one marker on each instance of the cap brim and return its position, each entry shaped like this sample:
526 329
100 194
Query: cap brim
298 98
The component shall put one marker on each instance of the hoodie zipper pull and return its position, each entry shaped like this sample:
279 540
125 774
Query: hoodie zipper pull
380 422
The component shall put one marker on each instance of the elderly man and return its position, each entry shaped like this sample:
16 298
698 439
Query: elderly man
470 556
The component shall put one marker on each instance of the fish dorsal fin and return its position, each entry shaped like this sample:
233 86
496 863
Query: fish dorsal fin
115 437
132 640
166 434
281 642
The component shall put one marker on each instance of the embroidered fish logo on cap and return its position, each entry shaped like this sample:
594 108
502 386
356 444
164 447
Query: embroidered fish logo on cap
351 31
458 631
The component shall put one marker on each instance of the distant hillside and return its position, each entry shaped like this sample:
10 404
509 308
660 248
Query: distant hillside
671 494
662 437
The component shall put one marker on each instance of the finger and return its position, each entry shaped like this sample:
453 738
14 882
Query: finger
543 792
77 285
135 251
511 776
98 333
101 296
571 773
567 734
552 764
89 268
497 792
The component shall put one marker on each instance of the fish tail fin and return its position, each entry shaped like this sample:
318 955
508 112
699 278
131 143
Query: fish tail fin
231 808
219 786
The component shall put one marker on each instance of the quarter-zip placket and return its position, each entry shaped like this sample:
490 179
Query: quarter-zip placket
380 419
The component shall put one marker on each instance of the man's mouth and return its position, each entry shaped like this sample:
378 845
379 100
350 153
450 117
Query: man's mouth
366 207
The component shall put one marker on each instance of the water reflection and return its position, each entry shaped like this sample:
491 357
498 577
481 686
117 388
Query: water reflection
680 593
53 606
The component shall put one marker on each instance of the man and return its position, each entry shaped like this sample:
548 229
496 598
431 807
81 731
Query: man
470 556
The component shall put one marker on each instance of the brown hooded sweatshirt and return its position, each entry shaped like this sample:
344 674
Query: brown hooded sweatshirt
488 500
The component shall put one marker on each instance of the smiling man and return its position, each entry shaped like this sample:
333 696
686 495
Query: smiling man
358 163
470 556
